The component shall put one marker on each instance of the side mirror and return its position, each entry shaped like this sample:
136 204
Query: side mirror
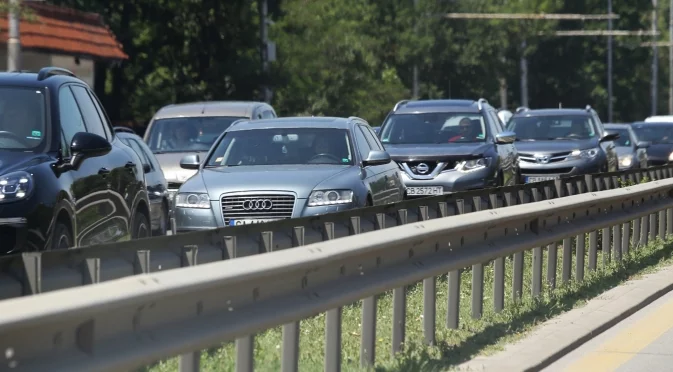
609 137
643 144
190 161
147 168
376 157
85 145
505 138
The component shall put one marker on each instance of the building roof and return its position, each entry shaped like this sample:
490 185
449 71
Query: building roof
66 31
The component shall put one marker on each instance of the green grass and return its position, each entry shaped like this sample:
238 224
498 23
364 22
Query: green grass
474 336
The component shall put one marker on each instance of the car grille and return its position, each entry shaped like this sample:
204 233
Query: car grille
544 171
243 207
553 158
432 165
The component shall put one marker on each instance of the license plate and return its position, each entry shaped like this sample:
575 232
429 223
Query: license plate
250 221
426 190
539 179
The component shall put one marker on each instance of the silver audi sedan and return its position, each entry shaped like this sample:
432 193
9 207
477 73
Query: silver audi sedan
281 168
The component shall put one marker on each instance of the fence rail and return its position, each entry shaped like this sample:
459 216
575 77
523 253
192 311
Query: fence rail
134 321
32 273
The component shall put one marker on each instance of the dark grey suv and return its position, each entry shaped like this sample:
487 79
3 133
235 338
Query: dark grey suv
444 146
556 142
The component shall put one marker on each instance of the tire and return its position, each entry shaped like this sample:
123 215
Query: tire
62 237
141 226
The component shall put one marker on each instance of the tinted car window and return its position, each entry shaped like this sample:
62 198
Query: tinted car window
363 145
106 122
283 147
136 147
434 128
371 138
70 117
654 133
624 137
187 134
552 127
22 116
89 112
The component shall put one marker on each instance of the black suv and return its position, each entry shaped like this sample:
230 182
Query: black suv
557 142
65 178
443 146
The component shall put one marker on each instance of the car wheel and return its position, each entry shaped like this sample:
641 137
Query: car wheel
141 226
62 237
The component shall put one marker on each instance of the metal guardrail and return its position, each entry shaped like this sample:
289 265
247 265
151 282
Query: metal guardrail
134 321
33 273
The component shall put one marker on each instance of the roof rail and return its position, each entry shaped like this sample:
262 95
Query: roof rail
400 103
480 102
521 109
51 71
123 130
588 108
357 118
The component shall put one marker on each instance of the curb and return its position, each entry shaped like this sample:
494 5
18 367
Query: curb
560 335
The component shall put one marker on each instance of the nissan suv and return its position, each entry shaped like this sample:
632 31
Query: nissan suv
444 146
66 180
558 142
191 128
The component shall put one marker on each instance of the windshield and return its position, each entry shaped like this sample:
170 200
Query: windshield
187 134
654 133
624 139
433 127
283 147
557 127
22 119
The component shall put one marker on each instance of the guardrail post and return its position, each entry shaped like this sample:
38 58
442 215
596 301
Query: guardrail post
453 306
399 302
626 232
429 293
189 362
662 224
32 273
290 358
517 266
244 354
669 221
567 255
332 322
477 275
617 242
498 273
368 338
606 243
536 284
265 242
91 271
142 262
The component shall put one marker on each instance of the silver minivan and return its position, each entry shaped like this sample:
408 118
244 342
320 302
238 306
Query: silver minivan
191 128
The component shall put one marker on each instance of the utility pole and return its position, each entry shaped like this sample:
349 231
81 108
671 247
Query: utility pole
610 64
265 48
670 59
415 71
655 59
14 41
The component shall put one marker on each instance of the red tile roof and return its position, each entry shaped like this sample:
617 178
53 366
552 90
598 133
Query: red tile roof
63 30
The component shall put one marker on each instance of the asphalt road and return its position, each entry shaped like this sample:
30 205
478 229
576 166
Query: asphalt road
641 343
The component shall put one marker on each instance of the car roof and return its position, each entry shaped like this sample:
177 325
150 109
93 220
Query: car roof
128 135
292 122
552 112
663 123
438 105
209 108
30 79
616 125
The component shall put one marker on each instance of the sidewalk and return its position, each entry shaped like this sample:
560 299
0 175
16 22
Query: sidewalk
558 336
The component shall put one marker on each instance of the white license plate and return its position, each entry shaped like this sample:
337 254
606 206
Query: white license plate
539 179
426 190
250 221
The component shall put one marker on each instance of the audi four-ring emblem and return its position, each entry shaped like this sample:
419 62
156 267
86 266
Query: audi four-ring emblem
257 205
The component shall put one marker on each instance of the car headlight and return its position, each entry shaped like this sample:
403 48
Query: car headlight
472 165
192 200
670 157
626 160
15 186
330 197
584 154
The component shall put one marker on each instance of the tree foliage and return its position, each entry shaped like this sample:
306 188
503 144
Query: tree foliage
356 57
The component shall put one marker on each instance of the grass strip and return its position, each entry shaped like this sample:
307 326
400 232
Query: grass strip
454 346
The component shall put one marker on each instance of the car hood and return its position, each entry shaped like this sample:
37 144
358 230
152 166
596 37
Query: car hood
11 161
170 165
299 179
440 152
554 146
659 151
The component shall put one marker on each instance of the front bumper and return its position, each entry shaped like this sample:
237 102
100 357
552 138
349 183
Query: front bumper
533 172
193 219
13 234
453 181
